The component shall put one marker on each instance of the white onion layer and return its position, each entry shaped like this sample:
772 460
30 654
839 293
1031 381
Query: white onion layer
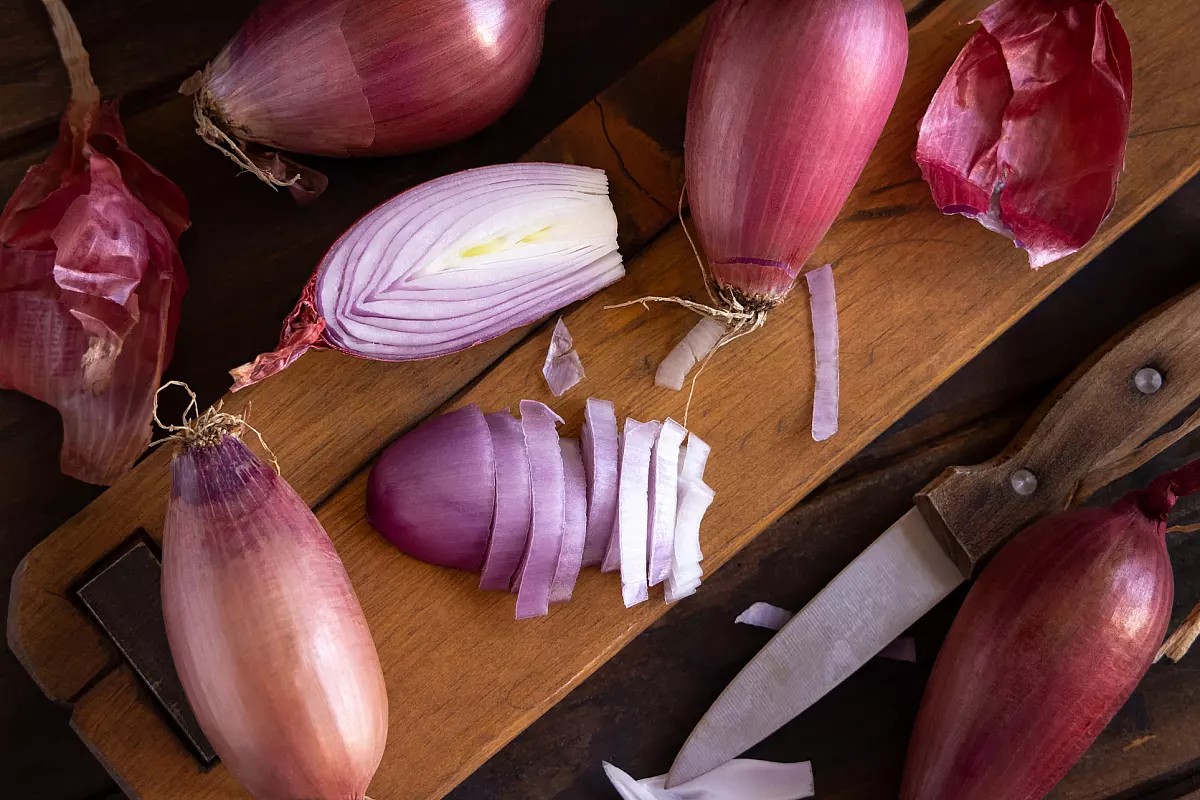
664 499
632 508
826 392
739 779
694 347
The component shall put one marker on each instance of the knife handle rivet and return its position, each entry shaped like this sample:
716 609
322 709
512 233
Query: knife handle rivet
1148 380
1024 482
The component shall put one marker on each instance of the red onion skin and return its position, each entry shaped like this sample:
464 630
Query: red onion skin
787 101
266 632
393 77
1051 641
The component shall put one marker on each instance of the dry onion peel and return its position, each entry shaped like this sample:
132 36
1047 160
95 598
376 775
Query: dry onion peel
562 368
265 630
513 512
90 279
570 557
536 573
353 78
455 262
1027 132
600 440
739 779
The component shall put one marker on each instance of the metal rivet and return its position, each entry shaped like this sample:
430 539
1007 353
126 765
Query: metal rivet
1023 482
1148 380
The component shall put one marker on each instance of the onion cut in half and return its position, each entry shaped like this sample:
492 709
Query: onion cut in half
570 556
536 573
600 443
514 504
455 262
663 499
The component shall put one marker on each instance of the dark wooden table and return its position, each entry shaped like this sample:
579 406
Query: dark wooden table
637 709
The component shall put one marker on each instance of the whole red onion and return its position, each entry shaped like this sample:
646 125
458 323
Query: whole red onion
787 102
1051 641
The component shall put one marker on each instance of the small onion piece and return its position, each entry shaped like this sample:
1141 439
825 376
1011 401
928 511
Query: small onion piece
739 779
513 512
663 499
600 443
536 572
454 262
633 516
693 349
570 557
432 491
823 304
765 615
562 369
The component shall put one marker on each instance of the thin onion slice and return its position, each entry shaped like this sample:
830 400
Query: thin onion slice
664 499
562 369
546 477
685 566
432 491
693 457
633 510
739 779
455 262
600 442
570 557
823 304
694 347
765 615
514 505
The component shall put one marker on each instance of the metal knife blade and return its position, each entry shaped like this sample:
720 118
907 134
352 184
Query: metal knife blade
895 581
1102 412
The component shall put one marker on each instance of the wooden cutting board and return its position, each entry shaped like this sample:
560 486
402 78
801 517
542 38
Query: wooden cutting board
919 295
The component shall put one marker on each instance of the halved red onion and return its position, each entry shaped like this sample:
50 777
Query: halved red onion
694 347
570 556
599 439
455 262
663 499
562 369
432 491
546 477
823 303
633 513
514 504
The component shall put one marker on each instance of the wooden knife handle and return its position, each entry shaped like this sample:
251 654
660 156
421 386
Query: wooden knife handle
1096 411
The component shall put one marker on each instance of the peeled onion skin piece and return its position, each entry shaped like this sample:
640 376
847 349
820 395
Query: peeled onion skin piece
1051 641
267 635
787 101
355 78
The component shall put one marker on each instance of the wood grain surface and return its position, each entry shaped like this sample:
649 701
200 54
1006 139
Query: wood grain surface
960 287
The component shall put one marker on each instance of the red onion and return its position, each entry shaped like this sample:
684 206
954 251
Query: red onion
663 499
90 279
455 262
600 445
267 635
570 556
433 490
1027 132
536 572
787 101
1051 641
514 503
353 77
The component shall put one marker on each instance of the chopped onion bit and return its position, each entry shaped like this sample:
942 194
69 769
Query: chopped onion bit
693 349
739 779
562 369
633 513
765 615
664 499
685 567
823 304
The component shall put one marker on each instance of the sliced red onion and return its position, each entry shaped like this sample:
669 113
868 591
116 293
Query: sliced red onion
633 517
549 497
765 615
902 649
739 779
685 566
599 438
698 343
612 555
663 499
433 490
693 457
825 345
570 556
454 262
562 369
514 506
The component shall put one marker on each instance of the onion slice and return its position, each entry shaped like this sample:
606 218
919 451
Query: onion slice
570 557
685 567
664 499
562 369
693 457
694 347
433 490
823 304
549 494
633 516
765 615
739 779
600 442
455 262
514 506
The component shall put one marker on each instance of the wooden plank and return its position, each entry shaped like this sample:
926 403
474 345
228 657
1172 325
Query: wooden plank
946 289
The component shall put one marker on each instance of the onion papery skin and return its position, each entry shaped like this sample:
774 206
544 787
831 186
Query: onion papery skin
355 78
267 635
433 491
1051 641
787 101
454 262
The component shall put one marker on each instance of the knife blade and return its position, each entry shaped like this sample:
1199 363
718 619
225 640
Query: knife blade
1111 404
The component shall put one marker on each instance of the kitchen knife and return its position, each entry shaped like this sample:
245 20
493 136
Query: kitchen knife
1111 404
